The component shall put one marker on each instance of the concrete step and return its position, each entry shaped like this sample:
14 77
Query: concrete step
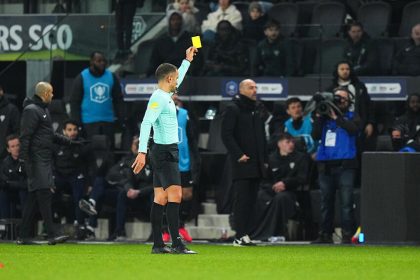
209 232
209 208
138 230
213 220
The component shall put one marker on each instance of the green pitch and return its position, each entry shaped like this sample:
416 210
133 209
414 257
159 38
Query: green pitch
131 261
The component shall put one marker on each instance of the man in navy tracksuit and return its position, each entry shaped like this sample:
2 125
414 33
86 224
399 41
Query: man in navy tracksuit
337 165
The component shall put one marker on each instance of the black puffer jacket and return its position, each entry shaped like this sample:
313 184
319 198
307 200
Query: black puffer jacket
243 133
36 143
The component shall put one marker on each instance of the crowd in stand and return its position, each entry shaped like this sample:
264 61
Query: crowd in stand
249 39
299 141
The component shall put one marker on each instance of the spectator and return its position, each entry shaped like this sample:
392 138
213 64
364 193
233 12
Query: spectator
407 60
13 182
71 169
288 170
298 125
171 46
344 76
360 51
120 188
274 54
228 56
189 12
399 136
411 118
124 15
9 121
337 165
244 138
254 23
226 11
96 101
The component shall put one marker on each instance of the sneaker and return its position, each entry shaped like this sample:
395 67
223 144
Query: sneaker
161 250
87 207
89 234
118 236
323 238
185 235
166 237
243 241
58 239
181 249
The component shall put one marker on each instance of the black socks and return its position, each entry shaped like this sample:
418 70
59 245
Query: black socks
172 216
156 219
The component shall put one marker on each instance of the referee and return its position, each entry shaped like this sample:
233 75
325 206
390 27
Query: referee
161 114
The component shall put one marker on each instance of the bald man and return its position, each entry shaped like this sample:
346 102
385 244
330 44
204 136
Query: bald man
37 138
243 136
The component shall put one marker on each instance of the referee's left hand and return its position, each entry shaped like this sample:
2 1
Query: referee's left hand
139 163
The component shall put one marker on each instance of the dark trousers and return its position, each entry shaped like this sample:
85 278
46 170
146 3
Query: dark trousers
38 199
273 212
102 193
124 15
245 197
100 128
9 199
76 186
329 180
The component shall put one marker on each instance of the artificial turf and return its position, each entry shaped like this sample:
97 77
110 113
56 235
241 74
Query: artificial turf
134 261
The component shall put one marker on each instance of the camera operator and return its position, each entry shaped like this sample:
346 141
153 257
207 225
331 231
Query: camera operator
337 163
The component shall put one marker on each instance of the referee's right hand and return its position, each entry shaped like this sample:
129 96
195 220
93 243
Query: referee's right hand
139 163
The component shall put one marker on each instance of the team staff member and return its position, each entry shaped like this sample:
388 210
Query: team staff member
37 138
244 138
161 114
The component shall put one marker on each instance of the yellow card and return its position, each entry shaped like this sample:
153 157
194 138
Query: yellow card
196 42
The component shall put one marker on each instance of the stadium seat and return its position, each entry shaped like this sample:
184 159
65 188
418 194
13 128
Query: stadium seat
242 8
327 19
203 11
410 17
58 114
375 17
384 143
386 49
142 58
309 46
287 15
330 52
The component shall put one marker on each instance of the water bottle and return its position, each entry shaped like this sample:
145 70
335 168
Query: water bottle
361 237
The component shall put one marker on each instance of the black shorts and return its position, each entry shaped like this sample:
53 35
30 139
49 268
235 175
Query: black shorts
186 179
164 160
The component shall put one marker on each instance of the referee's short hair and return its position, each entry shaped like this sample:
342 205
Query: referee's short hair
164 70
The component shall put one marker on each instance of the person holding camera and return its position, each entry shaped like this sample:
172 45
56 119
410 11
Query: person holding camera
337 163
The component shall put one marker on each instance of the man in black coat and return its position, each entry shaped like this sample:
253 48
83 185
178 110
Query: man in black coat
244 138
37 138
9 121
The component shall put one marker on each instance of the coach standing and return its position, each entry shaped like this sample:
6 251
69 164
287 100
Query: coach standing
244 138
37 138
